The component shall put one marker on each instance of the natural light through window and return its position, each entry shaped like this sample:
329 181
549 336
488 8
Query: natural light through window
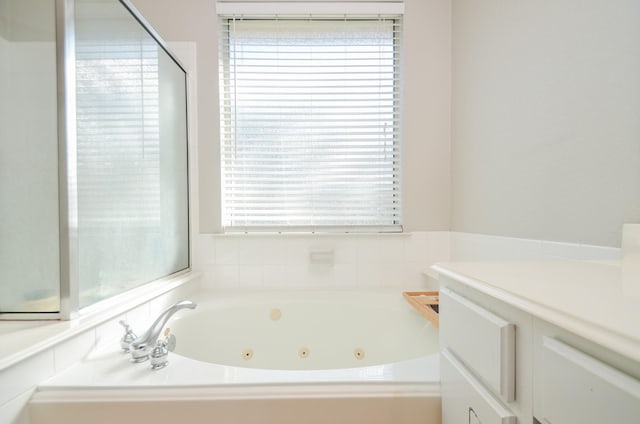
118 132
310 123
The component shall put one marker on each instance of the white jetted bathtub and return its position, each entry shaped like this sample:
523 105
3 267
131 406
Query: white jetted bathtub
266 357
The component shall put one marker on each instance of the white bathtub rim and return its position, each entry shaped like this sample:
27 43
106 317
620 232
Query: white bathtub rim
110 369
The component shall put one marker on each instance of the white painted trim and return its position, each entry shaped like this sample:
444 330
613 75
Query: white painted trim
296 391
305 8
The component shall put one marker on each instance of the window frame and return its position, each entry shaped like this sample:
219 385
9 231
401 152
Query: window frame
393 227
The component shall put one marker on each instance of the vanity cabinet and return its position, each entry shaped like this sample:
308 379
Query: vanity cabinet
465 398
579 382
485 346
503 364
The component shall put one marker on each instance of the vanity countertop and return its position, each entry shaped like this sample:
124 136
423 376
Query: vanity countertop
599 301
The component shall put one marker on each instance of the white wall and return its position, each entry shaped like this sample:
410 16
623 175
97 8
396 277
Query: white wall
546 118
4 21
4 82
427 115
544 99
426 104
27 20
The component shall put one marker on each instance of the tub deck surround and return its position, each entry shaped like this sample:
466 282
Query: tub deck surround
401 391
20 340
599 301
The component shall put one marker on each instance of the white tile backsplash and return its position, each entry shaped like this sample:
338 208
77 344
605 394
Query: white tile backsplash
345 276
416 247
563 251
338 276
598 253
381 250
273 276
414 277
276 250
480 247
552 250
276 260
250 275
439 249
139 317
250 251
160 303
226 275
388 260
203 250
381 275
226 251
109 332
71 351
345 251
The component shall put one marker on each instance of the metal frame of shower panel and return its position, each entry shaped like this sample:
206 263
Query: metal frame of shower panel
67 181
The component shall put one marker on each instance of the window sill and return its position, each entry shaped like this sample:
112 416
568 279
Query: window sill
287 234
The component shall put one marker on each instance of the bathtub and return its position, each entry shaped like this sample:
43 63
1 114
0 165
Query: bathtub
266 357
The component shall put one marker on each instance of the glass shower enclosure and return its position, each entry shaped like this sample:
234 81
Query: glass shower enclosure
93 156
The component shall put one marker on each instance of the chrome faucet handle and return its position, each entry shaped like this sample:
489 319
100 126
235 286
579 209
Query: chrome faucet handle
170 340
128 337
160 353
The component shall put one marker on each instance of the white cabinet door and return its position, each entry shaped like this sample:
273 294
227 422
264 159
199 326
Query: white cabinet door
576 388
465 399
482 340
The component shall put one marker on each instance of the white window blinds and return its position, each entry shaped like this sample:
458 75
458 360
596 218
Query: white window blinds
310 122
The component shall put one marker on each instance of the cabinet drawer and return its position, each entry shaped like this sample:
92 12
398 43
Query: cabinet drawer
482 340
465 399
577 388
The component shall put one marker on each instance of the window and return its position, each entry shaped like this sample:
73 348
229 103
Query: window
310 122
118 132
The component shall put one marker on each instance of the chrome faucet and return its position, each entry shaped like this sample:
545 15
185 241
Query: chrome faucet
142 346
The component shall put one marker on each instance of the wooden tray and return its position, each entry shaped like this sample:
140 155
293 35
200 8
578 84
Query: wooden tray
426 303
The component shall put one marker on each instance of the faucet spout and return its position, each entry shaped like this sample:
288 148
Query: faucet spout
141 347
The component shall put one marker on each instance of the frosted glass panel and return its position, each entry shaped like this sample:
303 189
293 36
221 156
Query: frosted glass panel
29 250
131 154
